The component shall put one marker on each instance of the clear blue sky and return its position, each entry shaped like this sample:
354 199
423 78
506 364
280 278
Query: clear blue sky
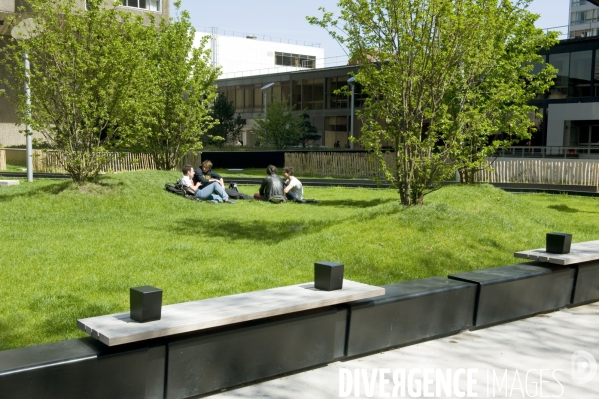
286 19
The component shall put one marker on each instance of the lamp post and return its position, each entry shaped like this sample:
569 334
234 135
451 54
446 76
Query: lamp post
264 95
24 30
352 83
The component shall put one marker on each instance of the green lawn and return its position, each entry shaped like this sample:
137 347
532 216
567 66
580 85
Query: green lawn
69 252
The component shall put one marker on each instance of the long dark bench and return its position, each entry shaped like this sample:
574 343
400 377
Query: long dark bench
512 292
410 312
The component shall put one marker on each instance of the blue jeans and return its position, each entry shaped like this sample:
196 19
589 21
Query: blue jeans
212 192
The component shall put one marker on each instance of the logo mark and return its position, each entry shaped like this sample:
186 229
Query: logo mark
583 367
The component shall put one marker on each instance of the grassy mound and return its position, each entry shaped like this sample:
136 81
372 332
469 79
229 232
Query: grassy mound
73 251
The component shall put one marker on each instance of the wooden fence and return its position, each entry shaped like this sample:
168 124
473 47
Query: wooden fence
538 171
52 161
2 160
337 164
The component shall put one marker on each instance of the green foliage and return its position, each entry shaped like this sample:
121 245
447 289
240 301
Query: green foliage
309 132
177 93
280 128
448 76
84 79
228 127
57 268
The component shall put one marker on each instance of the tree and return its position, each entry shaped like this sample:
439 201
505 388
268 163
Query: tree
179 93
228 127
446 76
309 132
84 79
280 127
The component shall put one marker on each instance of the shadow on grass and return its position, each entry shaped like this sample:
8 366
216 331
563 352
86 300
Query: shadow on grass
357 204
260 231
54 189
567 209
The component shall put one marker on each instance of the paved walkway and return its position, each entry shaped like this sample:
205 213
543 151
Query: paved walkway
561 349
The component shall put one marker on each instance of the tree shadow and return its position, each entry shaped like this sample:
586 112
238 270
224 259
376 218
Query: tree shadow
53 189
567 209
349 203
263 231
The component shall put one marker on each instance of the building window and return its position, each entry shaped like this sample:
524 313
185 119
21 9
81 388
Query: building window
562 63
152 5
580 74
295 60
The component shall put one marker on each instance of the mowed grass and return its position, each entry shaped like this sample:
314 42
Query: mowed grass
70 252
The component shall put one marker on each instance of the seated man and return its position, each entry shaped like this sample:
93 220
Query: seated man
211 193
271 188
294 191
206 176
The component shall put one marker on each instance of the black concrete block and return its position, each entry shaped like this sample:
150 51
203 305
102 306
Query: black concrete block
146 303
586 288
328 276
410 312
558 243
515 291
83 368
229 356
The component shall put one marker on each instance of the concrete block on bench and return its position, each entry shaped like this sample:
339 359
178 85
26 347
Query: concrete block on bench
586 288
200 363
6 183
515 291
409 312
83 368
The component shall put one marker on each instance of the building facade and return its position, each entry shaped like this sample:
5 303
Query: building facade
570 110
240 54
9 123
583 19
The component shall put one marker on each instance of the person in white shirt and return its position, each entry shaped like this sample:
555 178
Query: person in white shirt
294 191
210 193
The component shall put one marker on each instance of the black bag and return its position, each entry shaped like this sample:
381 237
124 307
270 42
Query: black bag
234 194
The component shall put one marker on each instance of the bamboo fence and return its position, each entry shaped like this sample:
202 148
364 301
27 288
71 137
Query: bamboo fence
53 161
538 171
337 164
2 160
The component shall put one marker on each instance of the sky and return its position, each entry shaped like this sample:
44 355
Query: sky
287 19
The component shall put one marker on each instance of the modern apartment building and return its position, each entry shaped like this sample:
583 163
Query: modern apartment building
9 128
583 19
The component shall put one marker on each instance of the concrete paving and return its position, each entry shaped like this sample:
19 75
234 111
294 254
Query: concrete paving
553 355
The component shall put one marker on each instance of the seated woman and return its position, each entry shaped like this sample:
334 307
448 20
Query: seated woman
210 193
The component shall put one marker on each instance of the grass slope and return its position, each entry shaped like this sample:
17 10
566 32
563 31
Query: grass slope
69 252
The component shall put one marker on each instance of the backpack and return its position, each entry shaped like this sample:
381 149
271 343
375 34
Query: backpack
180 189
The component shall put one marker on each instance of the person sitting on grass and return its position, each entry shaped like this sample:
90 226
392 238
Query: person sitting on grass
212 193
294 191
206 176
271 188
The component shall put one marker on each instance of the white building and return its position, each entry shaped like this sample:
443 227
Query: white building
245 54
584 18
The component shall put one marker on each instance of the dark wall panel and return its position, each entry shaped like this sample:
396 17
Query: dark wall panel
222 359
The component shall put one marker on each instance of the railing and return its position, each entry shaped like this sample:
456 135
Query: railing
224 32
587 152
541 171
327 62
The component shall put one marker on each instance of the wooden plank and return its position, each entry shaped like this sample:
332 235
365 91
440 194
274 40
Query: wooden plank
118 329
579 253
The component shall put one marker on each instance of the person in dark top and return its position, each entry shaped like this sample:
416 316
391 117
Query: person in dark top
206 176
272 187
